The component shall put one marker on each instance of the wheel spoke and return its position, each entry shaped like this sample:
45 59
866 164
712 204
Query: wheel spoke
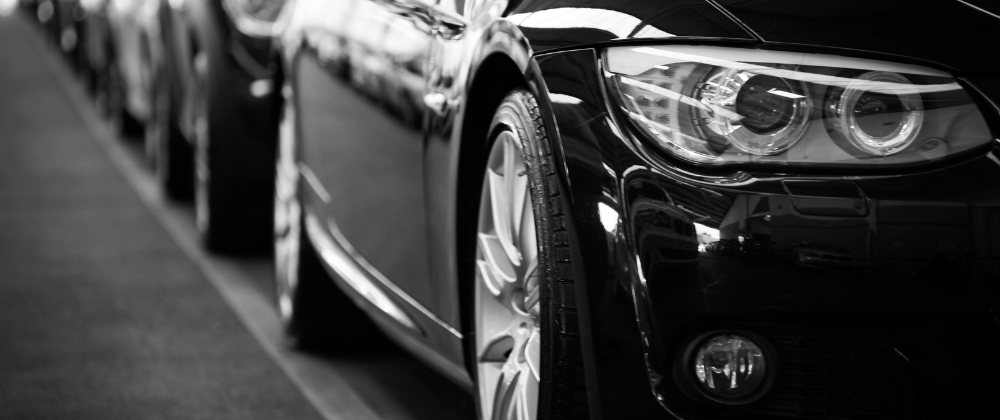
504 397
494 263
527 396
533 354
501 214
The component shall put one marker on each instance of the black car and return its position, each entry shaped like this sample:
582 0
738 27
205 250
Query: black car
518 192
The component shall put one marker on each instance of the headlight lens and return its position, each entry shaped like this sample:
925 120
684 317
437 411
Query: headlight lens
717 106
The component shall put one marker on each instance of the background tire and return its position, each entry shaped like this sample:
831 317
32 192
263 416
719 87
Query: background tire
234 157
526 343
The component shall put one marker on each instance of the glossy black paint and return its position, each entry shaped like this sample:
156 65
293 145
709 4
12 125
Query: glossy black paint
946 32
868 287
553 24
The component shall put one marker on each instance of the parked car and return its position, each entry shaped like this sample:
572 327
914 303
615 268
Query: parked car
45 13
500 240
134 48
213 129
70 17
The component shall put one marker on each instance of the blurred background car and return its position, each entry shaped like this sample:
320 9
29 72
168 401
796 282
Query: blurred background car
194 80
214 127
135 46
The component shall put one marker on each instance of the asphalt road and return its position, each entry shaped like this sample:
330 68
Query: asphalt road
109 308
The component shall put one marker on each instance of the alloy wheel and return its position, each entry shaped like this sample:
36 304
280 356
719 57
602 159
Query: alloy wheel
507 309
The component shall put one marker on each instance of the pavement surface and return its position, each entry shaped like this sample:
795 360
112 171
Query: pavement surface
101 313
109 309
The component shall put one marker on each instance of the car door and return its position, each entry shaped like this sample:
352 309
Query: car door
360 87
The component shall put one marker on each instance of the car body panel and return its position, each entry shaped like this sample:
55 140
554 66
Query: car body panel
348 167
357 67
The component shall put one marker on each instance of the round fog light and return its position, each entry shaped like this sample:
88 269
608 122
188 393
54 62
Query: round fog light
730 368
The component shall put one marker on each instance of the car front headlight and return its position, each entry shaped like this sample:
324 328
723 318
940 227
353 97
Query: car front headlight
721 105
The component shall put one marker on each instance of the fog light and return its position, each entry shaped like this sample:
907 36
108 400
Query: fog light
731 369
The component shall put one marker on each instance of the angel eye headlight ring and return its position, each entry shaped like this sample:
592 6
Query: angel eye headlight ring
879 113
767 114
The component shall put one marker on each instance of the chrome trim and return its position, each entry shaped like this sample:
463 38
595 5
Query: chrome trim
420 349
337 252
979 9
313 181
340 259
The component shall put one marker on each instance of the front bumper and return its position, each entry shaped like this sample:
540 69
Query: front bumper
888 328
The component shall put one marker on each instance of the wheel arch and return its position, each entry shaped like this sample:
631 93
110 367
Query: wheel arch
496 76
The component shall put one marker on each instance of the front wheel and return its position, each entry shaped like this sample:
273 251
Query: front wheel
528 365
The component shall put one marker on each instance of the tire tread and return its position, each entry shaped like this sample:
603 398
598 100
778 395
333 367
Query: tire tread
569 391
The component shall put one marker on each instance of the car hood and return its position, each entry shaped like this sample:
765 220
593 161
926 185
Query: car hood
551 24
952 33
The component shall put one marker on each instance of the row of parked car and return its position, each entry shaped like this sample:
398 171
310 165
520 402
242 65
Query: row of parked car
518 191
181 76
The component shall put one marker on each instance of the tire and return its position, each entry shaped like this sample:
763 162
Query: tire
526 341
169 152
313 310
234 159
